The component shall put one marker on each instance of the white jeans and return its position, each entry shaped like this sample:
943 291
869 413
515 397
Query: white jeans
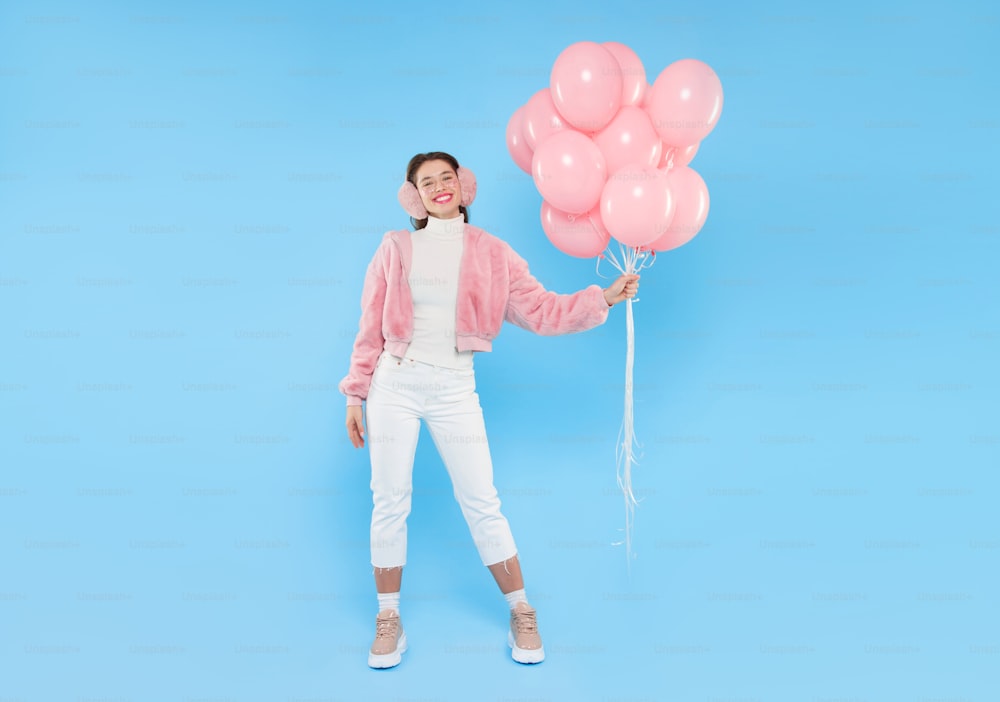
403 392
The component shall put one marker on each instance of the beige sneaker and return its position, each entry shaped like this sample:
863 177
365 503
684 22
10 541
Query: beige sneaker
523 639
390 641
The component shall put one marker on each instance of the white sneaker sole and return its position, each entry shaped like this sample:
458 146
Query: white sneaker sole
524 655
388 660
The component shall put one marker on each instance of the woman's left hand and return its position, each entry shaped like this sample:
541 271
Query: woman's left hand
624 288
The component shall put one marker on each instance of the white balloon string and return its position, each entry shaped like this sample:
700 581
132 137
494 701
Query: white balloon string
626 449
648 260
610 257
633 260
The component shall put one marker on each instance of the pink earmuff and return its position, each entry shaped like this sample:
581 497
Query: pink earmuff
468 182
409 196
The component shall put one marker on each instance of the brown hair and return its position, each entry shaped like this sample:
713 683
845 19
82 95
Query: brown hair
411 175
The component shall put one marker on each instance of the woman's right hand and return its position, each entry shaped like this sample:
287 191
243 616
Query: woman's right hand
355 426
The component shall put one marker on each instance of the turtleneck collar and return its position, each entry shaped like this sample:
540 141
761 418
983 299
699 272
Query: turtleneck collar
445 228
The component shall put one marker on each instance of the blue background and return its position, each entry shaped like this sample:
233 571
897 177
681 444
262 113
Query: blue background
190 194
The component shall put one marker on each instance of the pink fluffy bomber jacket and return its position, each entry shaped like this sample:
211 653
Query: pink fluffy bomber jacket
494 285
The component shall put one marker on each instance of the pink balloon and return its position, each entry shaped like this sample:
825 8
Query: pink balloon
680 155
541 119
630 138
645 97
595 219
686 102
586 85
569 171
637 205
691 194
573 234
516 144
633 73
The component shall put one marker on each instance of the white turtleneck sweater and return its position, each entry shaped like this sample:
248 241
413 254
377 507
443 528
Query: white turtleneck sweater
437 253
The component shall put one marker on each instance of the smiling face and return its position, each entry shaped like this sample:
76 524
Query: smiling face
439 189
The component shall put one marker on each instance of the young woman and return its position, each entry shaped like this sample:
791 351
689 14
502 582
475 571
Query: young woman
433 298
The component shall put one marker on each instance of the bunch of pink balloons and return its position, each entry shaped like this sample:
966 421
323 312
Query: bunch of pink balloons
609 153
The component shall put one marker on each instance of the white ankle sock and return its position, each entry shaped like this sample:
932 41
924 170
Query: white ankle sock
516 596
388 600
